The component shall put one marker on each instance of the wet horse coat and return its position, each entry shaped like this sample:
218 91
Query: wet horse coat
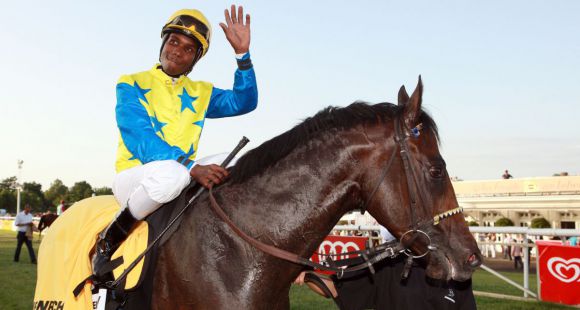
290 191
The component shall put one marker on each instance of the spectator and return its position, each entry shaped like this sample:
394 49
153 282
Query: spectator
60 208
517 255
24 225
507 248
529 246
492 239
506 175
489 246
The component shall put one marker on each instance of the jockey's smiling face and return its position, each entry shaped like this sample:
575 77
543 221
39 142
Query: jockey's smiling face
178 54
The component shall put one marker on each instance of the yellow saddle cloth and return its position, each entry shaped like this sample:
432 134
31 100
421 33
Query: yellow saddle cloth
63 257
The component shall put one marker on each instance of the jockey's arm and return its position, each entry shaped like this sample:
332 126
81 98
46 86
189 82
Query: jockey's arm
137 131
242 98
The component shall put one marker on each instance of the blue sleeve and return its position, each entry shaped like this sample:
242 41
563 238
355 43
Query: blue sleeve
243 98
137 130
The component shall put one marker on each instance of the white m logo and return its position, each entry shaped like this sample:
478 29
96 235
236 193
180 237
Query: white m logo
337 247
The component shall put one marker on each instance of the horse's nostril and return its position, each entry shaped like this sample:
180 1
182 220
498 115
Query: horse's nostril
474 261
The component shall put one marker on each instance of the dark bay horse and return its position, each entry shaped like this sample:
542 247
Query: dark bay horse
290 192
45 221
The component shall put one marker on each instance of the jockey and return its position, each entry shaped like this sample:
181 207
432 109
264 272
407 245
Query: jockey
160 114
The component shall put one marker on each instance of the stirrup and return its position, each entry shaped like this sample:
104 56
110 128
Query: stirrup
108 242
316 280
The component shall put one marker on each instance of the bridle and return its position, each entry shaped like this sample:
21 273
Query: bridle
401 136
370 255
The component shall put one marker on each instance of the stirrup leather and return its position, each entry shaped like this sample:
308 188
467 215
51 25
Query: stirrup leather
315 279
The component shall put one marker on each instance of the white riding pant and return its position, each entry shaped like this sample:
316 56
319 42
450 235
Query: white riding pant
143 189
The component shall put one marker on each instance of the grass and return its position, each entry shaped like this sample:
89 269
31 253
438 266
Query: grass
17 283
486 282
16 279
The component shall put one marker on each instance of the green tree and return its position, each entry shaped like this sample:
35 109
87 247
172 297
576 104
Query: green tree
8 183
55 193
79 191
8 200
8 195
32 194
504 221
103 191
540 222
472 223
35 202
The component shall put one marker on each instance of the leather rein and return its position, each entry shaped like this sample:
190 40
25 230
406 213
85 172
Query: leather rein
370 255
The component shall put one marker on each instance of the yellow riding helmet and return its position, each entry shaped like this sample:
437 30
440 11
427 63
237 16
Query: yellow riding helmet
191 23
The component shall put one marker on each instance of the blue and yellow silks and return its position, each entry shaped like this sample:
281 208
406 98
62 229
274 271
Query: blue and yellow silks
162 118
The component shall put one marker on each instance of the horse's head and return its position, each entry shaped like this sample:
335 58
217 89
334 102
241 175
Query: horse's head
406 186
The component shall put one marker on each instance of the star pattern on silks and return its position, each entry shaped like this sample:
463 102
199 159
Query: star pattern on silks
187 101
141 92
200 123
157 125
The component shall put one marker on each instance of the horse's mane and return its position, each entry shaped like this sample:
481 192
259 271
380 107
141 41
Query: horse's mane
270 152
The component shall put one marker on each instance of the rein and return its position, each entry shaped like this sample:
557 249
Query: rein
387 250
370 255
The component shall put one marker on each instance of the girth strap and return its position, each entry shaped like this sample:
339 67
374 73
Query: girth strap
108 267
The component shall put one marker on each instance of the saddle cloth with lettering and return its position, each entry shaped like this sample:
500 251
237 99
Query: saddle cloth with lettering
63 257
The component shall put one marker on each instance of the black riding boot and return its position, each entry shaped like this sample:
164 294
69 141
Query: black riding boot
109 241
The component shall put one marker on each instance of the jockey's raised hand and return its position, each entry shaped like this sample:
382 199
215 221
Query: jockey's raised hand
237 33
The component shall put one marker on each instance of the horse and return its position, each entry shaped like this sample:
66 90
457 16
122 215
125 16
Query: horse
290 191
45 221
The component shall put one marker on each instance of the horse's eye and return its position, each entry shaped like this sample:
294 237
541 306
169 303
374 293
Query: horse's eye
436 172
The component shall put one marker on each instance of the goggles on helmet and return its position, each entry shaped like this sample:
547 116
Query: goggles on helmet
186 22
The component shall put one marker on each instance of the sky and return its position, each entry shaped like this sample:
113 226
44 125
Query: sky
501 77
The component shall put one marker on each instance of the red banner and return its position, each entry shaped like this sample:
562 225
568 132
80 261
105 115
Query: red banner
559 273
338 244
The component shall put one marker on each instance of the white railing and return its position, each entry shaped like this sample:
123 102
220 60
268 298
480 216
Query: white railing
549 232
12 218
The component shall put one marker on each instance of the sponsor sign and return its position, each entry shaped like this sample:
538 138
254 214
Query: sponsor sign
337 245
559 273
48 305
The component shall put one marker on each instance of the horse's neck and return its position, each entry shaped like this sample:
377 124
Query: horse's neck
298 201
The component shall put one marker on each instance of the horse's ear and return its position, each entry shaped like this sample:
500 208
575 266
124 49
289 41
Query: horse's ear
403 96
413 107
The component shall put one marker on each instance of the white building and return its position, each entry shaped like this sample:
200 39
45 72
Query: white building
557 199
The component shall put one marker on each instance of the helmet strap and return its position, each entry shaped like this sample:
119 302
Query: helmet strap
197 57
